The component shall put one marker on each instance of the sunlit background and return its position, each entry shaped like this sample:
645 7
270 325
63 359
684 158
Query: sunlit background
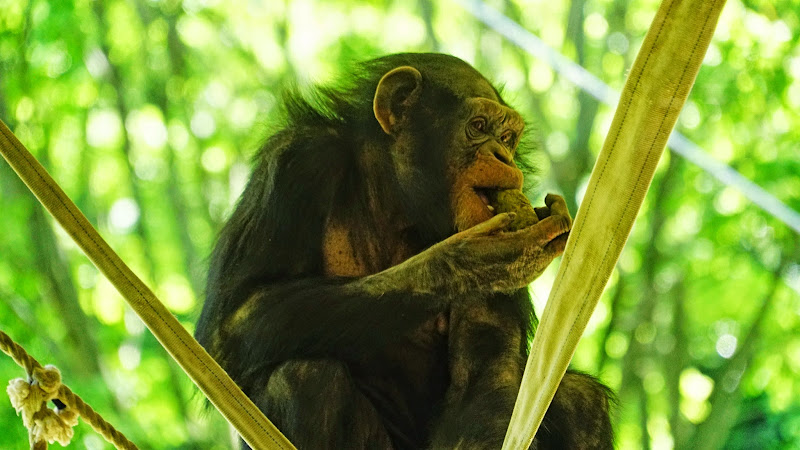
147 113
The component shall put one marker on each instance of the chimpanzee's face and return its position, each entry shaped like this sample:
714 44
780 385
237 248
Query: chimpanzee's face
483 143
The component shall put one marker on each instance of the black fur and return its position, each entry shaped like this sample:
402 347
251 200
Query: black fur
333 362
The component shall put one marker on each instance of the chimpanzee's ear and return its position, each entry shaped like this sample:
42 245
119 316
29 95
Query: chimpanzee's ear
397 91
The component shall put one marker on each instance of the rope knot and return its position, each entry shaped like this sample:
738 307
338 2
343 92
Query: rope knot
29 398
49 379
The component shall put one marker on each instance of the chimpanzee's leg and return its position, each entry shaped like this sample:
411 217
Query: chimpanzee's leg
487 359
486 364
578 417
316 405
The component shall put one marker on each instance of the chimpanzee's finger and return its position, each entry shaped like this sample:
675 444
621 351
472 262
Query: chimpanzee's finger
542 212
557 245
550 228
557 206
496 223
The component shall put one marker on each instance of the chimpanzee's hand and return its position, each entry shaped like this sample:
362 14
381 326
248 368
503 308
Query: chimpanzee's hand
495 260
483 258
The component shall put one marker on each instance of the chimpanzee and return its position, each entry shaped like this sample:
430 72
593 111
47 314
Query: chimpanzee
364 293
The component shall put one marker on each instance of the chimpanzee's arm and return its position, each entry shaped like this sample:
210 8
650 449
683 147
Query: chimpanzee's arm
321 317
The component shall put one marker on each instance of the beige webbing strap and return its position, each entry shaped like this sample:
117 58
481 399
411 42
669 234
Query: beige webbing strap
237 408
654 93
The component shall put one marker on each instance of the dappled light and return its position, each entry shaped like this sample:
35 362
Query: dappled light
148 113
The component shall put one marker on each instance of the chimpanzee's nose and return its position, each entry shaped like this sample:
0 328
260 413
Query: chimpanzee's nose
503 154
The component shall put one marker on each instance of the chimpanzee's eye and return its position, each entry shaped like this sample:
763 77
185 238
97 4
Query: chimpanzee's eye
478 125
508 138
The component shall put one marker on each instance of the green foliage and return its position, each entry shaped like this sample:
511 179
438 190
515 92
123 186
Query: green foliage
147 113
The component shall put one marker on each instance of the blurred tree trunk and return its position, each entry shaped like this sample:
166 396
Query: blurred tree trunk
178 210
534 105
676 362
640 353
726 398
62 294
568 171
644 414
427 8
115 80
83 199
614 313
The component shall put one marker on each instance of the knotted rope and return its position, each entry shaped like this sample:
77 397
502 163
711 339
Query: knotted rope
30 396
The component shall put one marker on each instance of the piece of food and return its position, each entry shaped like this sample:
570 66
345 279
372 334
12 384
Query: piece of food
513 201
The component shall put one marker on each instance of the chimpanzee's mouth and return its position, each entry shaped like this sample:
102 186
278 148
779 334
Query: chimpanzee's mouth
483 194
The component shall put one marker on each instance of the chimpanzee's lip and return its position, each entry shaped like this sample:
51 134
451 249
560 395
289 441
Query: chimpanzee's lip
483 194
496 185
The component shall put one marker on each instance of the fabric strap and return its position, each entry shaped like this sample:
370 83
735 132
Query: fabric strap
657 87
226 396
